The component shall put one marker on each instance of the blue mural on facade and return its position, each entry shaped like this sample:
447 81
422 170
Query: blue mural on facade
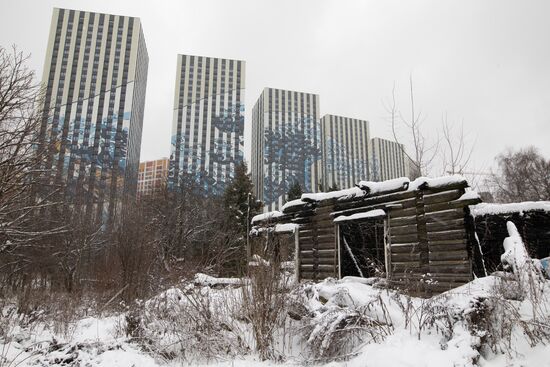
291 153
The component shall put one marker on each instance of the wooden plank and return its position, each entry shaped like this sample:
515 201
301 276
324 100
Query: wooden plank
456 234
399 230
403 212
451 246
463 268
406 238
402 221
319 246
372 200
432 243
320 238
320 261
448 255
409 203
320 267
451 214
320 253
319 231
404 247
446 225
444 196
405 257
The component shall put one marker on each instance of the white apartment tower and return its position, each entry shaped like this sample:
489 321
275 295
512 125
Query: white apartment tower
286 138
95 75
345 151
388 160
208 123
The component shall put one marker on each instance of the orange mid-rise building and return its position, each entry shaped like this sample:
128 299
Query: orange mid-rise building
152 176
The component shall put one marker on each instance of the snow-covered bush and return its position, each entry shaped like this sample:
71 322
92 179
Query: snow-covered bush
193 323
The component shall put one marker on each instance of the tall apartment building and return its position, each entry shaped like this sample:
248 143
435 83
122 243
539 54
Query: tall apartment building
345 151
388 160
153 176
95 76
285 144
208 124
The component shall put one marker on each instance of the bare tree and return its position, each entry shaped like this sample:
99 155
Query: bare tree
20 157
456 151
425 150
522 176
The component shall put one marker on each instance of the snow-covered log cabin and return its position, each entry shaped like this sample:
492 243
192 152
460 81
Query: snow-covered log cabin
419 234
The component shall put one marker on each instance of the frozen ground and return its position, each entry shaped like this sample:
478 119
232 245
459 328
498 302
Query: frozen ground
100 341
499 320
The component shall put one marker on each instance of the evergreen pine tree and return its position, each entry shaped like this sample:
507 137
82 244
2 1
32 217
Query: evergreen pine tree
295 191
237 198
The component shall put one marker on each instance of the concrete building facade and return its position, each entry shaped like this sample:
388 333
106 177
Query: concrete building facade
95 76
153 176
345 151
388 160
286 144
207 139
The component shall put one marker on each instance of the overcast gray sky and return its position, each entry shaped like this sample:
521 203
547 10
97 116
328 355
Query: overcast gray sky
484 62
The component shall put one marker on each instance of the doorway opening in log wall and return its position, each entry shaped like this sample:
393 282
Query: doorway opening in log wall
362 250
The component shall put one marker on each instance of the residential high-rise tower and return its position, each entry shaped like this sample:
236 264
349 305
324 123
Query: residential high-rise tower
208 124
388 160
95 77
285 144
345 151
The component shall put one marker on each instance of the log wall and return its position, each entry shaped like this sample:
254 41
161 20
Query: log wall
429 237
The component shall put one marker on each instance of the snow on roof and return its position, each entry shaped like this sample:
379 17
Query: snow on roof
286 227
390 185
340 194
370 214
469 195
266 216
436 182
526 206
292 203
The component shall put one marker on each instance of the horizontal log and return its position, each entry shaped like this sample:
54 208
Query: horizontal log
319 237
372 200
404 266
321 253
319 246
446 225
409 229
321 261
320 267
447 247
445 215
448 255
324 210
404 247
402 221
451 205
442 197
409 203
403 212
446 242
405 257
452 186
456 234
463 268
407 238
316 232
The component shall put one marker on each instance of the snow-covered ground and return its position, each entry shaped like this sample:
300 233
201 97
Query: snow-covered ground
499 320
405 331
